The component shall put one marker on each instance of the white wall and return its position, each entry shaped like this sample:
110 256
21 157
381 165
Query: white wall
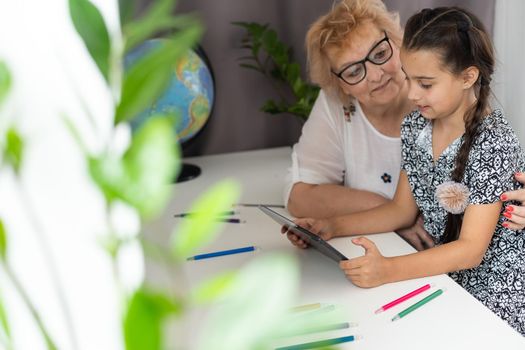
50 69
509 41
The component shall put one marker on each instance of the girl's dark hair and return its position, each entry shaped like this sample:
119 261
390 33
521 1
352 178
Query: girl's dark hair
460 39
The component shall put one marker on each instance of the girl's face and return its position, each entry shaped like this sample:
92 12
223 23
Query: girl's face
382 83
435 91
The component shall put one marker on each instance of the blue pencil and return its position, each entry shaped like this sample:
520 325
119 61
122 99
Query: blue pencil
318 344
222 252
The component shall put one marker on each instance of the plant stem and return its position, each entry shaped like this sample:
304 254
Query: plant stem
268 76
48 256
114 257
18 286
83 104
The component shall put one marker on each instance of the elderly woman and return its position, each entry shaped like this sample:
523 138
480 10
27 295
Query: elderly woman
348 157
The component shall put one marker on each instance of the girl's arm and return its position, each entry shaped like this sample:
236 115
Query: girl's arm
478 227
399 212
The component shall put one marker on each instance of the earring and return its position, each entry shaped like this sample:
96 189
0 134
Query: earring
349 111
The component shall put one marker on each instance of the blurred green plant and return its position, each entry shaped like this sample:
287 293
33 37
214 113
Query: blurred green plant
139 177
273 58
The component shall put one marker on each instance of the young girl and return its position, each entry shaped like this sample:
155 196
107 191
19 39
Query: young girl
458 157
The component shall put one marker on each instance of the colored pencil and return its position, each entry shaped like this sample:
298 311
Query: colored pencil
417 305
318 344
403 298
222 253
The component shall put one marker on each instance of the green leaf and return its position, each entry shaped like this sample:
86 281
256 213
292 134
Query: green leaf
5 81
5 332
144 319
14 149
274 59
138 31
254 309
202 227
107 172
89 23
150 164
254 29
126 11
214 288
250 66
3 241
293 74
142 176
148 77
272 107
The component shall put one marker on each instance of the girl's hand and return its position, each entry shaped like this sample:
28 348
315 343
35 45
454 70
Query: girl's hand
514 214
369 270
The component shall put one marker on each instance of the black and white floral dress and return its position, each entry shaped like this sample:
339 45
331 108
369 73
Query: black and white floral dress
499 281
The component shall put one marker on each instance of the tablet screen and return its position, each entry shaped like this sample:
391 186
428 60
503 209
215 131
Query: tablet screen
312 239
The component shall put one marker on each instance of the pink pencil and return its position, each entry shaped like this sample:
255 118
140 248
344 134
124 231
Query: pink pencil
403 298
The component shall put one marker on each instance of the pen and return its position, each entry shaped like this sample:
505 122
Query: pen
228 220
256 205
417 305
403 298
324 328
222 252
318 344
224 213
306 307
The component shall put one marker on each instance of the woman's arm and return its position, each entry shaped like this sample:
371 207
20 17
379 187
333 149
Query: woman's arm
478 227
323 201
399 212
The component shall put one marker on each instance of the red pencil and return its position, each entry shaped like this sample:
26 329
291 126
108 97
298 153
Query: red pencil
403 298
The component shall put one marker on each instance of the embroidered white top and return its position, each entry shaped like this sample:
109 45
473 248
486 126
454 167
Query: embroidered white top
334 150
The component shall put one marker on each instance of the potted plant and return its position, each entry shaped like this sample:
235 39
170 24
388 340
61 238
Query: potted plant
78 187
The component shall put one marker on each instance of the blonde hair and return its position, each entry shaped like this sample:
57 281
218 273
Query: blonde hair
332 31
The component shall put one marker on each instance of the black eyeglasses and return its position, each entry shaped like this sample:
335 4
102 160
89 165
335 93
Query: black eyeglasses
379 54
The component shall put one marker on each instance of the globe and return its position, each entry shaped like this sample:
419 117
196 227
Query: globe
189 95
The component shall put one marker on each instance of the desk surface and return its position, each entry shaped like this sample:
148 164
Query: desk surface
455 320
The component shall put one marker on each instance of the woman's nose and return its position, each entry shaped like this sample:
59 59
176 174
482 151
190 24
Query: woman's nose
374 73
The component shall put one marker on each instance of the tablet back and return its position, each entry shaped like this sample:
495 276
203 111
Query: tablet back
312 239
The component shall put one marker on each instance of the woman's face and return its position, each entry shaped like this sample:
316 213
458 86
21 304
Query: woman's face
382 83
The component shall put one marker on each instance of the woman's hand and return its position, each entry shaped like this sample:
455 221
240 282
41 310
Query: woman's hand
417 236
515 214
321 227
369 270
293 238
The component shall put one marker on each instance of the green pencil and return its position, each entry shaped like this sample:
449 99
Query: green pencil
417 305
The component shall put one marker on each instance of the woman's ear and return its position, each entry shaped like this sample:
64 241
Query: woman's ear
470 76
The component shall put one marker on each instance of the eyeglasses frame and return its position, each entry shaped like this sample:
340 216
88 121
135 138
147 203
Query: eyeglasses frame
364 60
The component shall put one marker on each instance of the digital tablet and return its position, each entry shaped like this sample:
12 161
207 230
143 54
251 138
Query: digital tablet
312 239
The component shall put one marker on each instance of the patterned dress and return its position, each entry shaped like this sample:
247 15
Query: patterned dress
499 281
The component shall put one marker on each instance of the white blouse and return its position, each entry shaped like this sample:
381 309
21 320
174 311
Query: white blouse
333 150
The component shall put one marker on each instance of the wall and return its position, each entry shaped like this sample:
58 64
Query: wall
237 124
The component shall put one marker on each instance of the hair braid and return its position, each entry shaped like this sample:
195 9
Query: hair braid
473 119
461 40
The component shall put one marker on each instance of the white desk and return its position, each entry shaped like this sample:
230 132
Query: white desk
454 320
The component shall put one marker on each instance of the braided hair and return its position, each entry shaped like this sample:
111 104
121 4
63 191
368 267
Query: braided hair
461 40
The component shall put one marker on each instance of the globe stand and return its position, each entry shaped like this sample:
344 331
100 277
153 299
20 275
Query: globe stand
188 172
